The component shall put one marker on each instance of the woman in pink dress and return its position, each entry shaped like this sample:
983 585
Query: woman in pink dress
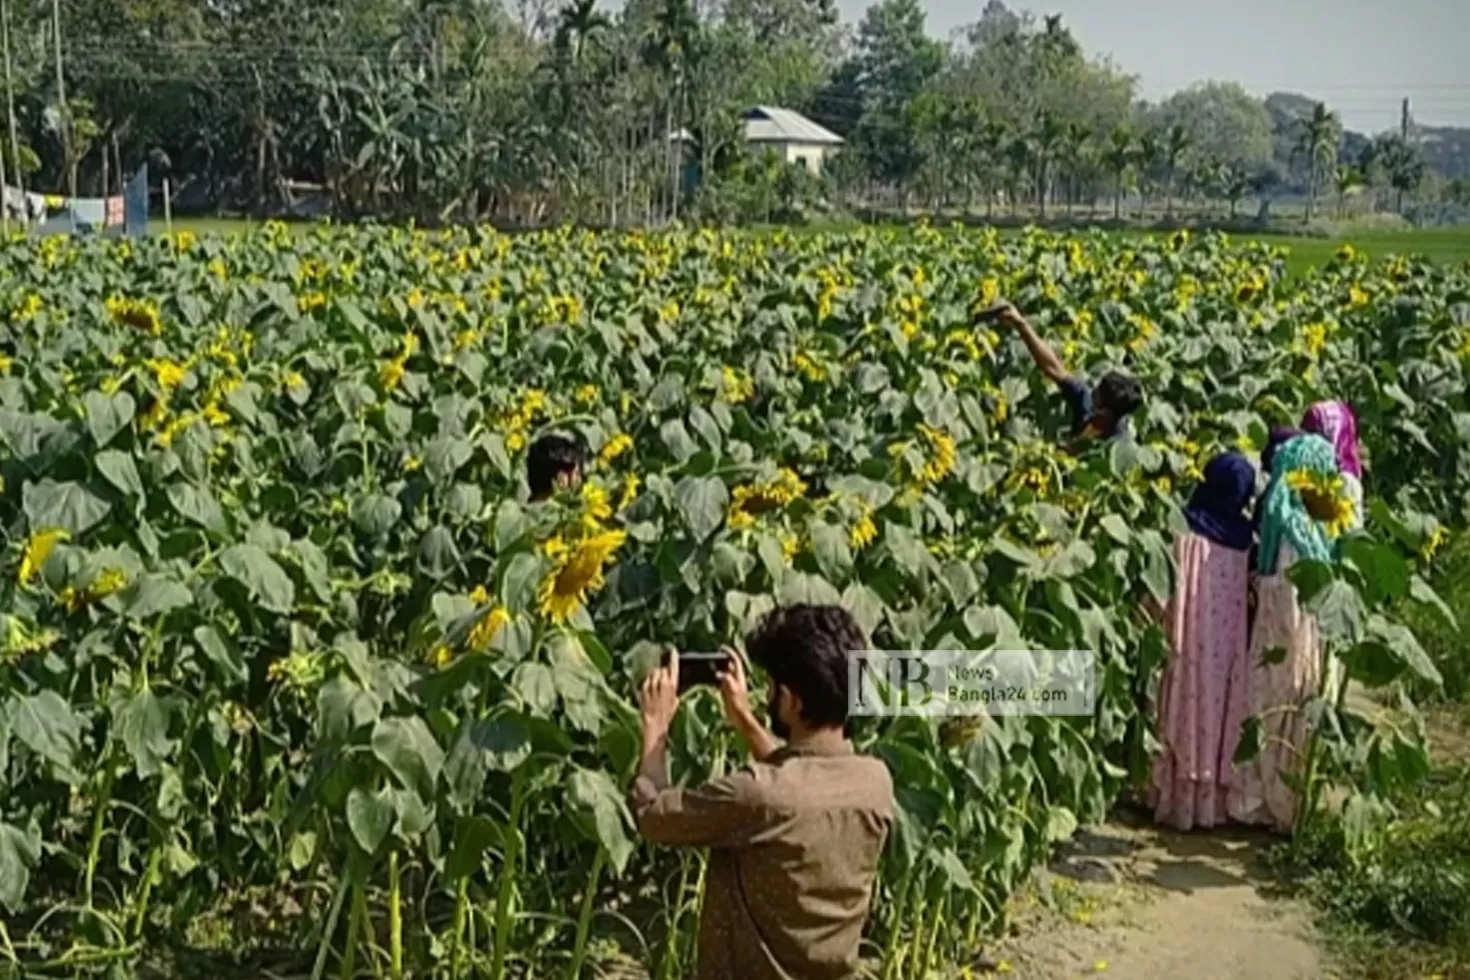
1277 691
1201 698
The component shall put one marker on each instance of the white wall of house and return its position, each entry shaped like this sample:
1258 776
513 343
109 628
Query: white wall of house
809 155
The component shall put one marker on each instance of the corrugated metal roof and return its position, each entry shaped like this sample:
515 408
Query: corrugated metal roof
768 124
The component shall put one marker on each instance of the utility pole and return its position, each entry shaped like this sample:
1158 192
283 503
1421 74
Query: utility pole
1404 122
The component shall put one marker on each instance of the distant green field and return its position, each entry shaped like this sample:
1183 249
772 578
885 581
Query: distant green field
1447 245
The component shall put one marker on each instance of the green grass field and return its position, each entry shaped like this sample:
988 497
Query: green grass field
1447 245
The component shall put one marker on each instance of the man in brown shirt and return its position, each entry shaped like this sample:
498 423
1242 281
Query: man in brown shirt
794 837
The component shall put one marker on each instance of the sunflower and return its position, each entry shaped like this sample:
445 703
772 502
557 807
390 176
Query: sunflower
595 505
168 373
863 530
138 314
616 446
489 624
735 386
38 549
758 498
940 461
1325 497
577 572
630 491
1432 543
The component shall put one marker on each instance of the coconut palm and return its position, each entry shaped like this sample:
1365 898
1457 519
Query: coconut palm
1175 144
1405 169
1347 179
1317 142
1118 156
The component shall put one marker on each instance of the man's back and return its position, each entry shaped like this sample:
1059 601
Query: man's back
795 843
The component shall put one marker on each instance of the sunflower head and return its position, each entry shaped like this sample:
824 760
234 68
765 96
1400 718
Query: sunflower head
578 571
38 548
1325 497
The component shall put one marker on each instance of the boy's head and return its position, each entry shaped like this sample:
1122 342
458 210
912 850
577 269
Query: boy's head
553 463
804 651
1116 397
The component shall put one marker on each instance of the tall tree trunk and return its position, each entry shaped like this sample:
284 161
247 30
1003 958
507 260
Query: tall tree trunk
1118 198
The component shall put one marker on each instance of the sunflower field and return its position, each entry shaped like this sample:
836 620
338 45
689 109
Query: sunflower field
294 682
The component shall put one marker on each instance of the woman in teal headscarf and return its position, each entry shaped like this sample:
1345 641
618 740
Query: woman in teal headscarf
1295 520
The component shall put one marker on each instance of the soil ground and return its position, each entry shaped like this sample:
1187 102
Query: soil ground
1138 902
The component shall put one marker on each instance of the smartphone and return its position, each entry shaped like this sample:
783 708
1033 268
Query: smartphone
697 669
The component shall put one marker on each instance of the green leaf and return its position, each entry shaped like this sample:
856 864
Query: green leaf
375 514
107 415
69 506
1405 645
222 654
866 607
407 747
1422 592
437 553
534 683
1339 611
45 724
118 469
829 545
592 793
370 816
20 852
154 595
302 850
1061 824
197 504
474 835
141 719
1385 572
799 587
1249 745
258 572
678 441
1116 529
522 576
498 744
702 501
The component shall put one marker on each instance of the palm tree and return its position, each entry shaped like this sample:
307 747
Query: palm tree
1118 156
1404 168
1176 144
1320 133
1150 157
667 50
1048 139
1018 160
1347 179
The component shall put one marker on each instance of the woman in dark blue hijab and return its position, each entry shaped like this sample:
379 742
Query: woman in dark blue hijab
1219 507
1202 692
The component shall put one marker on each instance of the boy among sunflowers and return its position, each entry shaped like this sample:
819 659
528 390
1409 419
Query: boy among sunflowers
1098 412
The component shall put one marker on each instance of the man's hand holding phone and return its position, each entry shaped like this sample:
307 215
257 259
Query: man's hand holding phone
659 700
735 694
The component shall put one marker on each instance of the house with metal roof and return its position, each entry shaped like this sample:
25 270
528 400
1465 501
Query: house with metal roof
793 136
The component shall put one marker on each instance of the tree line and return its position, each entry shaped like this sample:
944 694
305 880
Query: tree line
520 111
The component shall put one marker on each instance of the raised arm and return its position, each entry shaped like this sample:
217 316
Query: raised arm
1046 359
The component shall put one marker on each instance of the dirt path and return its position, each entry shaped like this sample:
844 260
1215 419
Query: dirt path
1135 902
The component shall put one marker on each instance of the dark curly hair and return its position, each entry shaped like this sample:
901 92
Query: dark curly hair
548 458
1118 393
805 649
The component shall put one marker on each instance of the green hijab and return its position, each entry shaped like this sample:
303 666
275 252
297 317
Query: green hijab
1285 519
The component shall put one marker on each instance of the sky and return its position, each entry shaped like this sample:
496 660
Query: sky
1361 57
